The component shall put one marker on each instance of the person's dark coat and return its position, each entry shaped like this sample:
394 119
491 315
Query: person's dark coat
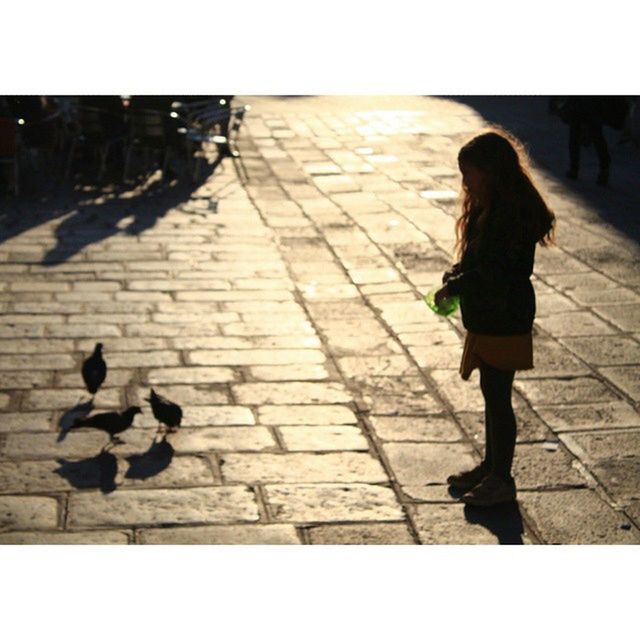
493 277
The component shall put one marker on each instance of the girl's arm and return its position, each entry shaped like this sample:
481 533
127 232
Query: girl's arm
499 258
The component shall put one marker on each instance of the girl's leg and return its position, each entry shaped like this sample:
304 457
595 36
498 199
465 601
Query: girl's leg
488 436
501 432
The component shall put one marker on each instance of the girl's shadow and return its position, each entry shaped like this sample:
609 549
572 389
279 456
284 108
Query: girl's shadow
98 472
150 463
503 520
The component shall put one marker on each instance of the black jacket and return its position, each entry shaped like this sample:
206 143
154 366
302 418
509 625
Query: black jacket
492 279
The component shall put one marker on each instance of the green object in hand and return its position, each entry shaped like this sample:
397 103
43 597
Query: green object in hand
446 307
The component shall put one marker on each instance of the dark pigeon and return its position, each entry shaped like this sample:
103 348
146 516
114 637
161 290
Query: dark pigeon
112 422
165 411
94 370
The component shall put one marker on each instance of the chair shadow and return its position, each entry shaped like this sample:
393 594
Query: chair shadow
98 472
90 213
152 462
67 419
106 216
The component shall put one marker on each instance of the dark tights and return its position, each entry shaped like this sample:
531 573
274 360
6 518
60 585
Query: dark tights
500 421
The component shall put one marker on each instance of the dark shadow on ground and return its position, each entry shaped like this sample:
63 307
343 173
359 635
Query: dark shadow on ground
503 520
91 213
67 419
150 463
546 138
98 472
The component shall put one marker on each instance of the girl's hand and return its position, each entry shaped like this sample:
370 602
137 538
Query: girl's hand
441 295
455 269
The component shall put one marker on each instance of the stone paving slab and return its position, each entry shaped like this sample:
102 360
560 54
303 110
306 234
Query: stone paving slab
20 512
309 503
446 524
577 517
578 390
378 534
221 534
536 467
305 415
65 537
135 508
414 429
590 416
302 467
612 456
319 438
421 463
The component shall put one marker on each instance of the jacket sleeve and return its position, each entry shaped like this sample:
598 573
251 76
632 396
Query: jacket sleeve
450 273
500 256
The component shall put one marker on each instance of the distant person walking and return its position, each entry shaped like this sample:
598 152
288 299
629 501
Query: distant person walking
503 217
586 115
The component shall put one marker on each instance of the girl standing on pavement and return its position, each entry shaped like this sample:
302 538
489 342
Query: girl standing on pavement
503 218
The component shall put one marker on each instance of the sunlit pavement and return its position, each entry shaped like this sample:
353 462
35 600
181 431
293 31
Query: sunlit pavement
321 398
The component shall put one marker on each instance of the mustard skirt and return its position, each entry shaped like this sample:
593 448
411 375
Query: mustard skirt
508 353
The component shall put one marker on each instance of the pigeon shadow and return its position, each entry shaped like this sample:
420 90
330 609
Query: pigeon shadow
68 418
150 463
98 472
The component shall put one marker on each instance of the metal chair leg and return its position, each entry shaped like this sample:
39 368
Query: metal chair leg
72 150
16 183
127 161
238 164
165 161
189 157
196 168
103 161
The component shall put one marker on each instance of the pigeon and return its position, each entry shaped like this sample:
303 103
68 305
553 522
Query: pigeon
165 411
94 370
112 422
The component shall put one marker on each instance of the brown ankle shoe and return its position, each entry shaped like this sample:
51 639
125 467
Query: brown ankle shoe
492 490
466 480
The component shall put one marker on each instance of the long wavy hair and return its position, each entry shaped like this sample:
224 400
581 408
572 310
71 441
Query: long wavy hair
509 191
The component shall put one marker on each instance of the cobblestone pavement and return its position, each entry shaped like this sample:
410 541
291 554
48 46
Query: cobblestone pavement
321 397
